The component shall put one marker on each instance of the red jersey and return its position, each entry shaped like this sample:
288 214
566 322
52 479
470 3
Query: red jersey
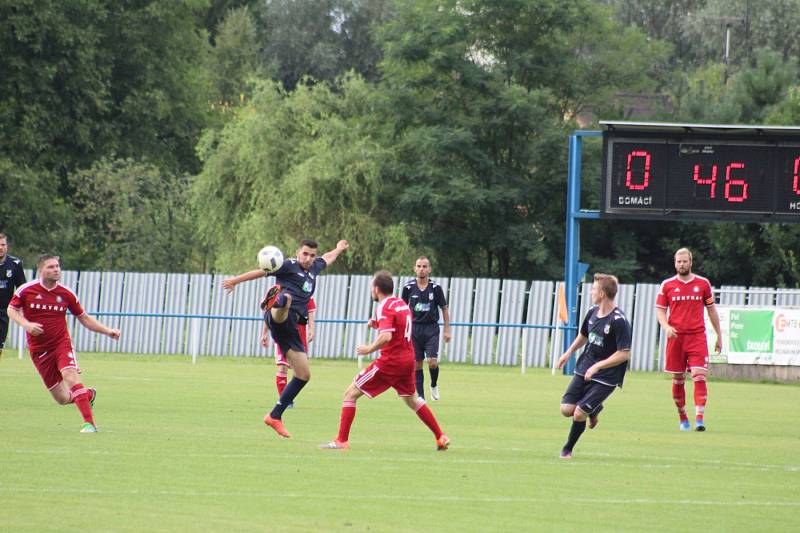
686 301
48 307
397 355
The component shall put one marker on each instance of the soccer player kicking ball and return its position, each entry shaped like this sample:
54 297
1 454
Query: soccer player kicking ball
393 368
601 366
40 307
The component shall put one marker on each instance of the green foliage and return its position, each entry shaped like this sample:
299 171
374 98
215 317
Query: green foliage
133 217
306 164
34 217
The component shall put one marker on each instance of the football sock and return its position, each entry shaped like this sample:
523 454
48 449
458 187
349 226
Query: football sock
575 433
287 396
80 395
434 376
426 415
700 395
348 415
280 383
679 395
420 377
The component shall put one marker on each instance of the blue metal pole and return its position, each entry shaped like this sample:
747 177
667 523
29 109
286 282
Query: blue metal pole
572 252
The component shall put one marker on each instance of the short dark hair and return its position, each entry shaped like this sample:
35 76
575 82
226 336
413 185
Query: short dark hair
424 258
607 284
46 257
3 236
383 281
309 243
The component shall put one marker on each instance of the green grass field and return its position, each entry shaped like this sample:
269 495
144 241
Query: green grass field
182 447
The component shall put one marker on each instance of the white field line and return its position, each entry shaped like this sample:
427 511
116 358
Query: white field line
364 454
395 497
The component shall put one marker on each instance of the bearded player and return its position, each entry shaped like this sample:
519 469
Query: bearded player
393 368
685 295
40 307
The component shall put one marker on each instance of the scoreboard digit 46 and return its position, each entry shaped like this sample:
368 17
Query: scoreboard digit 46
691 171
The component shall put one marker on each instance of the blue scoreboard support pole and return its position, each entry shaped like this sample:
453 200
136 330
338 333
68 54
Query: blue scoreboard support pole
574 270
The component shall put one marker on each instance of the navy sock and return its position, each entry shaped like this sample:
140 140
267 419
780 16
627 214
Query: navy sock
292 389
281 301
420 376
434 376
575 433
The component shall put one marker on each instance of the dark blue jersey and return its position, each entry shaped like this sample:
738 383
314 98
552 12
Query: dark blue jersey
606 335
12 276
299 283
424 304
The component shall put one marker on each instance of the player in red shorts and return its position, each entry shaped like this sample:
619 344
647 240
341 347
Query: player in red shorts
393 368
685 295
306 332
40 307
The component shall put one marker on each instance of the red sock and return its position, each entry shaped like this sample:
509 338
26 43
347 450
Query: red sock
280 382
80 395
679 395
700 395
426 415
348 415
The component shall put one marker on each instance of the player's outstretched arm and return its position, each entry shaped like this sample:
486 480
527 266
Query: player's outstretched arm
367 349
331 256
577 344
34 328
231 283
615 359
93 324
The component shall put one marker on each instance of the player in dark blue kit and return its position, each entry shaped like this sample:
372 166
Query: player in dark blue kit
12 276
425 297
601 367
285 305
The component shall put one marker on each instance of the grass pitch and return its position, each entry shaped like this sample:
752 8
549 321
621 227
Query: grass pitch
182 447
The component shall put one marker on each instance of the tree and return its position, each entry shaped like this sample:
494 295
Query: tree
133 217
305 164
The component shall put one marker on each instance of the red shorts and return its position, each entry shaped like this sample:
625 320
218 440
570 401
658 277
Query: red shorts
372 382
686 352
280 359
50 363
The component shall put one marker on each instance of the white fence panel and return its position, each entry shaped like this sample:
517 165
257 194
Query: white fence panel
487 300
787 297
732 295
645 327
540 311
219 331
176 295
88 291
512 307
200 286
331 298
761 296
245 335
359 307
461 296
111 286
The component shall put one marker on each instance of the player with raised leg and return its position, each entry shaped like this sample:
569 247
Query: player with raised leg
601 367
393 368
285 305
40 307
685 295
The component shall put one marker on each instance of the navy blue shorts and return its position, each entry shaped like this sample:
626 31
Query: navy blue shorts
426 341
3 329
285 333
588 395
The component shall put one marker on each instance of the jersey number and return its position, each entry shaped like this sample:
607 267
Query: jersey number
407 332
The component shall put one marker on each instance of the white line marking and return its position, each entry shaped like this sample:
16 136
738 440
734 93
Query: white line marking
395 497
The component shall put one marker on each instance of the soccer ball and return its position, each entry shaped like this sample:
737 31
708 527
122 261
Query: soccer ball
270 259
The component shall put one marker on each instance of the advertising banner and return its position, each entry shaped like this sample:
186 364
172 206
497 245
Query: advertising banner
756 336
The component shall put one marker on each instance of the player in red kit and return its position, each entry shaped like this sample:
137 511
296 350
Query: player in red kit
393 368
686 295
40 307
